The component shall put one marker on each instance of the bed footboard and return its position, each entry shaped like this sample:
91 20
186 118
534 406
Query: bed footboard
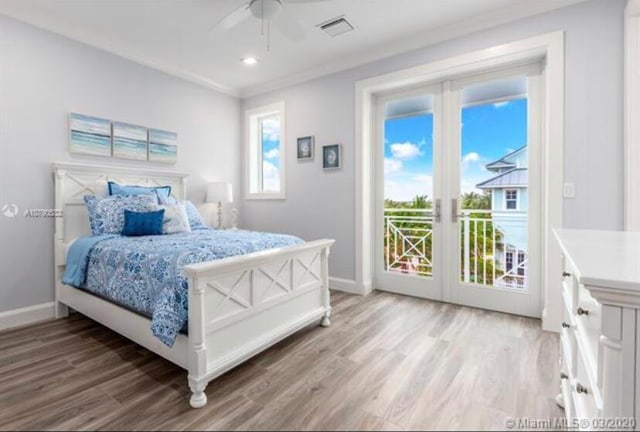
242 305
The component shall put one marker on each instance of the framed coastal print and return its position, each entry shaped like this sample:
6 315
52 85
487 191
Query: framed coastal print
305 148
129 141
89 135
332 156
163 146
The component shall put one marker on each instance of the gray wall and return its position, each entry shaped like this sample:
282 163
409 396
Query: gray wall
43 77
322 204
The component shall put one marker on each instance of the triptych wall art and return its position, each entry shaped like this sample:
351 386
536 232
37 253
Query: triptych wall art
101 137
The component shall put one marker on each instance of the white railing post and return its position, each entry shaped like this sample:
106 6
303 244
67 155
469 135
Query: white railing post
467 252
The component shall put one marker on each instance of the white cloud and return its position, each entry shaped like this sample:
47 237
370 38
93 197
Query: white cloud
407 190
392 165
274 153
271 128
270 177
405 150
501 104
470 158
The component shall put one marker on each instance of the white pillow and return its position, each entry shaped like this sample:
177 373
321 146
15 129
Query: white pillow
175 219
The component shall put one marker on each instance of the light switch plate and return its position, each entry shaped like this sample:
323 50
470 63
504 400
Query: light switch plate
569 190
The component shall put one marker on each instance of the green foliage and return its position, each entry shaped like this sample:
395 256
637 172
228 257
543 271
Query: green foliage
475 201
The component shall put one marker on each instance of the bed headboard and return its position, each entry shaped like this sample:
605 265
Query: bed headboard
75 180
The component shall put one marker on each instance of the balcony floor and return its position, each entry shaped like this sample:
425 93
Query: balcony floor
387 362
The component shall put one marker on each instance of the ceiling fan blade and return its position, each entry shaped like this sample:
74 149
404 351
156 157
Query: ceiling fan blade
289 26
304 1
233 19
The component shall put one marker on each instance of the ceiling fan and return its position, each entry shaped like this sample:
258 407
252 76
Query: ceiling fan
267 11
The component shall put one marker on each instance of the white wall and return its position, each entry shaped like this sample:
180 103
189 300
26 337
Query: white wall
43 77
322 204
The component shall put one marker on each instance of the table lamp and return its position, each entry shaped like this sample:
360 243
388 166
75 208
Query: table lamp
221 193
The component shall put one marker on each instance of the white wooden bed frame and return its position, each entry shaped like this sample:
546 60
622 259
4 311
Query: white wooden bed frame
238 306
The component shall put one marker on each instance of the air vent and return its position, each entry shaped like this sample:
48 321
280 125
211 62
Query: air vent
336 26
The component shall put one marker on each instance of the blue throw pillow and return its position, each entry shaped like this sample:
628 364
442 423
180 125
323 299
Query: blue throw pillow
142 224
162 192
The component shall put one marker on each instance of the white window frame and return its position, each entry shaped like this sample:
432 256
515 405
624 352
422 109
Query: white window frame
253 149
506 207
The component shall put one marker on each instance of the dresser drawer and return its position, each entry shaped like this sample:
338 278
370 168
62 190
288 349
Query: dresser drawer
569 351
588 320
568 281
582 392
566 389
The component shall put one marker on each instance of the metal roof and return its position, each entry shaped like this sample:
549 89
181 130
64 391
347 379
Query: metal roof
502 162
517 177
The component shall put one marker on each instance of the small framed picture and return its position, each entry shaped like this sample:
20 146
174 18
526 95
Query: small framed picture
332 156
305 148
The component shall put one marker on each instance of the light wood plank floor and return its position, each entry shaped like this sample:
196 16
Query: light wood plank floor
387 362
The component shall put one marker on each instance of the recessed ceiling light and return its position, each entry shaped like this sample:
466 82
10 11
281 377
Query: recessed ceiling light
250 61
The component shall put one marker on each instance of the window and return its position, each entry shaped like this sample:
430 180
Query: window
265 152
509 261
521 267
511 199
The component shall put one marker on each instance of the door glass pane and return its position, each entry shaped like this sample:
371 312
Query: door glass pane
494 184
408 186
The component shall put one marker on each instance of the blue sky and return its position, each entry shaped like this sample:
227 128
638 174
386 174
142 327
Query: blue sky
271 154
489 132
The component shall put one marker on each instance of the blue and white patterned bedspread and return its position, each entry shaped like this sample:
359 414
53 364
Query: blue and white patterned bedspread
146 273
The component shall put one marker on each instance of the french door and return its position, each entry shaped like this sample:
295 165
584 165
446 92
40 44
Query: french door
458 181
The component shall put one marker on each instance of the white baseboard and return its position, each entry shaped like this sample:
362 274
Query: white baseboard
346 285
27 315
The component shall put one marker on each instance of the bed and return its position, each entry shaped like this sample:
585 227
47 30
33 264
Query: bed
237 306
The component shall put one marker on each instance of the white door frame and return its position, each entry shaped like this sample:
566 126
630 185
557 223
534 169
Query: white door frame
631 116
548 48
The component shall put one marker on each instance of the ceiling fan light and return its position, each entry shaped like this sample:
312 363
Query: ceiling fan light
249 61
265 9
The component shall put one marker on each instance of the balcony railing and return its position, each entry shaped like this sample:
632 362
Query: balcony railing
493 247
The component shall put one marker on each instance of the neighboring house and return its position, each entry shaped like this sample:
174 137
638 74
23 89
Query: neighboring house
509 200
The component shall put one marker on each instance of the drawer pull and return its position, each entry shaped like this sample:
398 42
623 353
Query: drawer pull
565 325
581 389
566 274
563 375
582 311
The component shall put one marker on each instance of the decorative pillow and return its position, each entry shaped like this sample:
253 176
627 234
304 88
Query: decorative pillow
195 220
170 200
142 223
106 216
175 219
162 192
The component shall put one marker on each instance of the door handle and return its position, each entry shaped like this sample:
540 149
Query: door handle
454 210
437 215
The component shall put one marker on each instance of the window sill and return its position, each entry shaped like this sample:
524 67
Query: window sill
265 196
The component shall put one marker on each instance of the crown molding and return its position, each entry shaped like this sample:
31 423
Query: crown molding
414 42
136 57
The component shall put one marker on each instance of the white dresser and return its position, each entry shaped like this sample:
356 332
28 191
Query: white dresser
600 361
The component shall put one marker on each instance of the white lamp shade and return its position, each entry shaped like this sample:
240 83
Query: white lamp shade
219 192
